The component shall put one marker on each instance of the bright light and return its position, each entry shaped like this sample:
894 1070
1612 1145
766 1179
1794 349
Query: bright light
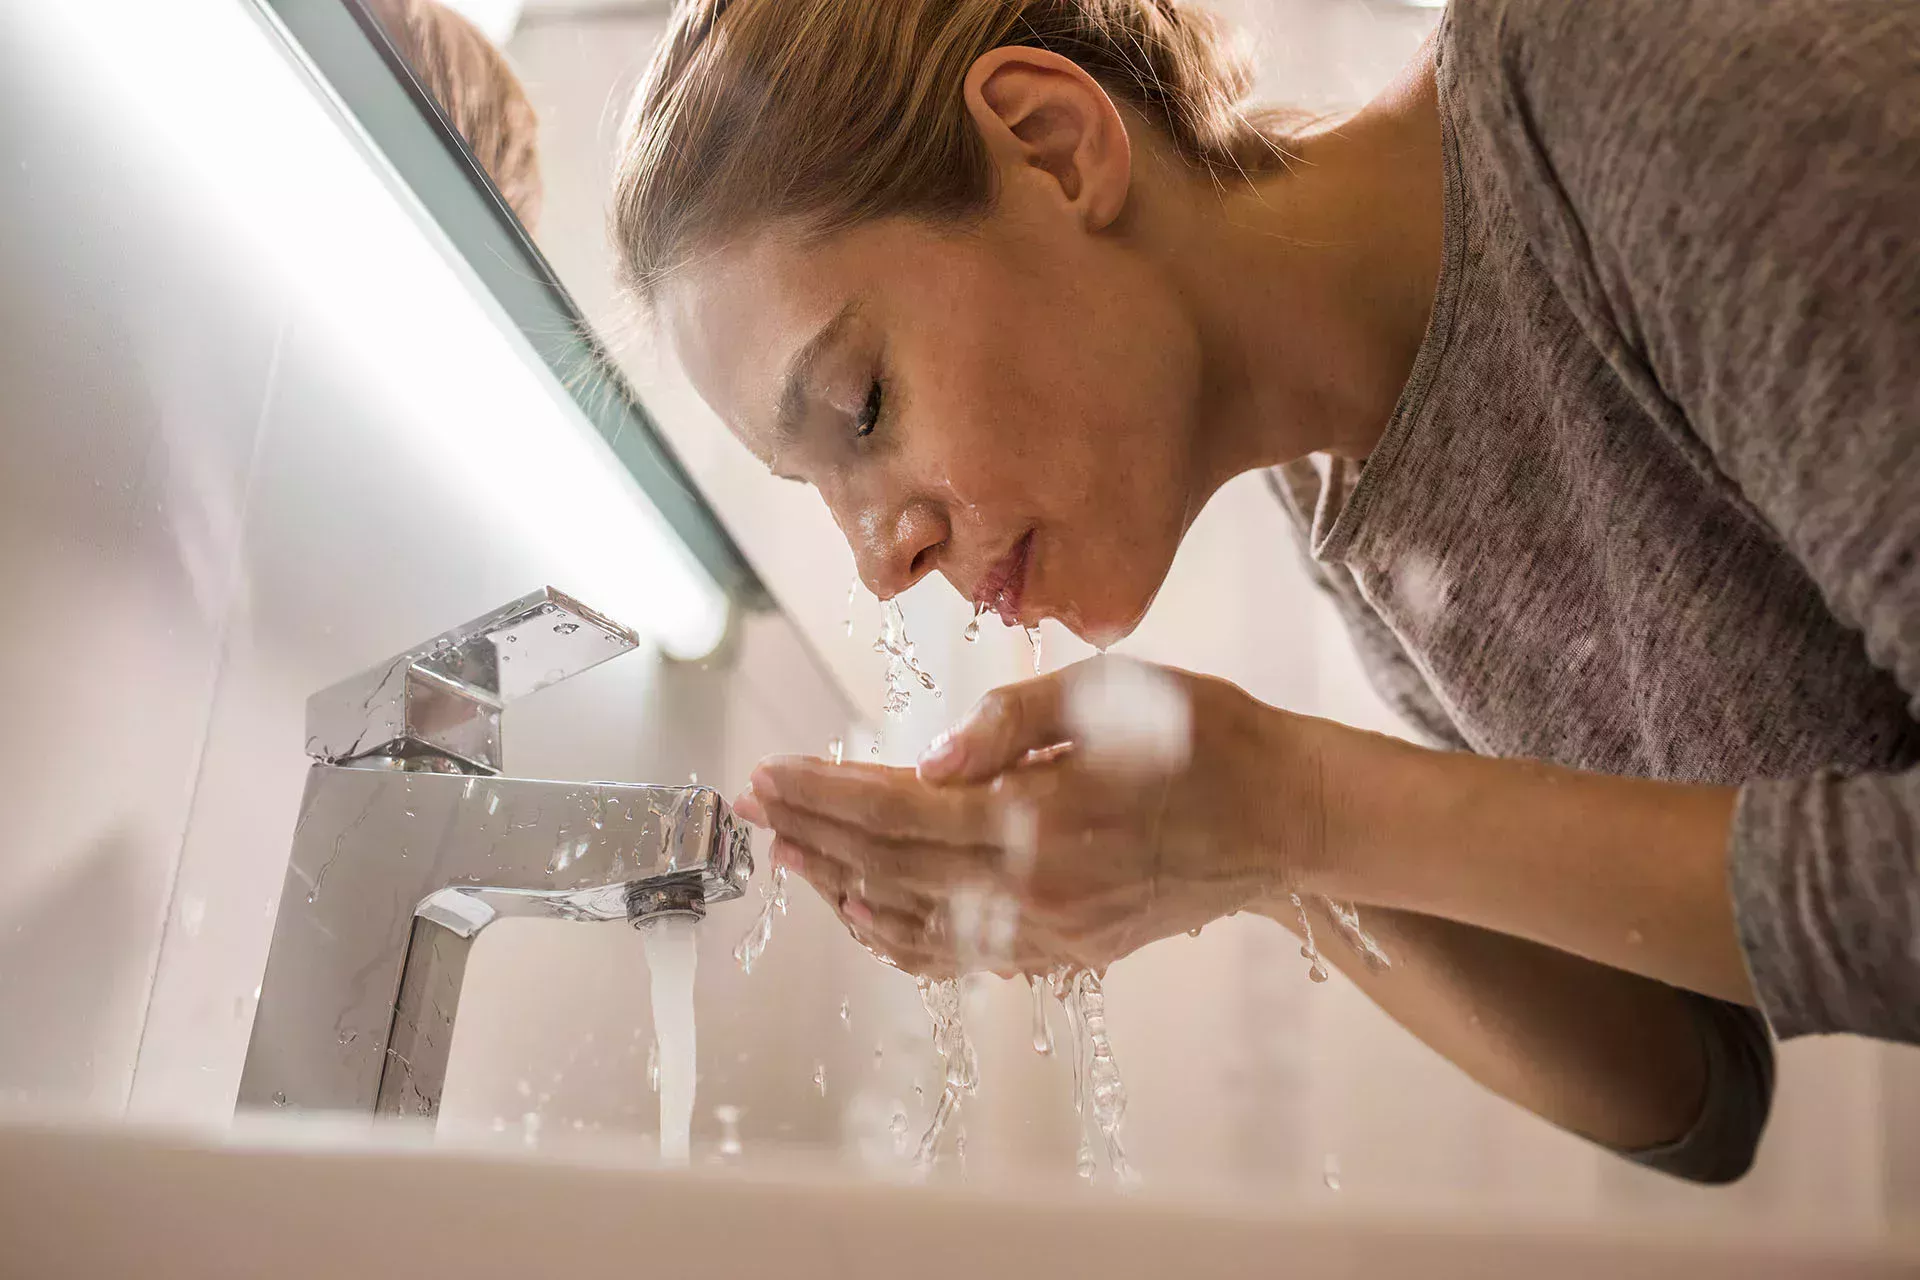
304 199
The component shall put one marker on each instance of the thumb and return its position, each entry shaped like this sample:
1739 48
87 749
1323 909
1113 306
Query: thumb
999 732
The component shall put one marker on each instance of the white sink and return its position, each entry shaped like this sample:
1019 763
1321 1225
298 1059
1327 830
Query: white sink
293 1202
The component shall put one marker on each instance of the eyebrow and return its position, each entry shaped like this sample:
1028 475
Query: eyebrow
793 389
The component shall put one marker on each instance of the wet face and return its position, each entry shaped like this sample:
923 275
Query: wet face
1011 405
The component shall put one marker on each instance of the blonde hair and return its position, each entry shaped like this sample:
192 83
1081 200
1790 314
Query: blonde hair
478 91
829 113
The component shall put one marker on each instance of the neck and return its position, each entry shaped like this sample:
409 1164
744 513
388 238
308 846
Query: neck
1313 288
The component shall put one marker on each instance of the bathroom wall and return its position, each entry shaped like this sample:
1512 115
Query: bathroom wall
1242 1074
260 433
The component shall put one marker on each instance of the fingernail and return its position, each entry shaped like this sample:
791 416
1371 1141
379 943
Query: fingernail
764 786
857 914
943 756
747 805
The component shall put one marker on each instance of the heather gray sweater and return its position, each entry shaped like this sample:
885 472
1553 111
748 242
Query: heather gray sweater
1650 501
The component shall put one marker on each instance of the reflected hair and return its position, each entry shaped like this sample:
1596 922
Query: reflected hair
826 114
478 93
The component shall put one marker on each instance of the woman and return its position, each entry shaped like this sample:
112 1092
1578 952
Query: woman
1584 358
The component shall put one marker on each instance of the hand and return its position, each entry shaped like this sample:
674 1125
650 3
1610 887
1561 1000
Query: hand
1068 820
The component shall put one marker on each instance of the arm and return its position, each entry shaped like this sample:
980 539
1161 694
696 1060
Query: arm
1673 1079
1677 1082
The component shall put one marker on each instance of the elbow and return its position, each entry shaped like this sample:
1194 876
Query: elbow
1724 1140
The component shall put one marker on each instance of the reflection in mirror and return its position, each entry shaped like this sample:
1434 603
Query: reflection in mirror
476 89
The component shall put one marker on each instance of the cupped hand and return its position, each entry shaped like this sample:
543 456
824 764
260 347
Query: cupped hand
1066 821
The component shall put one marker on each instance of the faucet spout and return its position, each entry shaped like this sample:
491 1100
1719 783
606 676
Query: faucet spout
393 876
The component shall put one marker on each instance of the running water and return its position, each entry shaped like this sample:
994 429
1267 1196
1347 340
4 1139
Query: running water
1316 968
671 957
1108 1091
903 669
972 633
1346 922
960 1067
1061 983
1033 638
1042 1030
653 1066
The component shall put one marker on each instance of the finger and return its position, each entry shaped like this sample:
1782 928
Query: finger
912 866
885 802
838 883
999 732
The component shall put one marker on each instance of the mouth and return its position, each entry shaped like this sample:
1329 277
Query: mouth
1001 590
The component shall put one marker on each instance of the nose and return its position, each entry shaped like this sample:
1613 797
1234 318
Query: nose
896 548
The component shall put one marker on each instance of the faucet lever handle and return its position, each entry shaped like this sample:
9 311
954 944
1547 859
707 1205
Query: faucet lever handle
443 698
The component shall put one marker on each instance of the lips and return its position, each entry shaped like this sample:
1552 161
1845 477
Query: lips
1006 582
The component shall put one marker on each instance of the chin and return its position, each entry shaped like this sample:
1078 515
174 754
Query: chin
1103 627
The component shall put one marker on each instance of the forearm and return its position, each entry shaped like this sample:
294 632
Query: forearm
1629 873
1606 1054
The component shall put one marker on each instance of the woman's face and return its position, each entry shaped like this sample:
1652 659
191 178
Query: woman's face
1012 405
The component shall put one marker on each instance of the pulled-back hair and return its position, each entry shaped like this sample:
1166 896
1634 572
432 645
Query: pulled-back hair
831 113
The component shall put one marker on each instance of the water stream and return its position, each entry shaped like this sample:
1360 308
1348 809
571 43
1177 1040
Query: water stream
671 958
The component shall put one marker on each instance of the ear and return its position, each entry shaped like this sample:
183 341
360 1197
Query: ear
1039 111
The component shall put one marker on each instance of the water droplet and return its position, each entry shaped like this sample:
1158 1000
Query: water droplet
972 634
820 1078
512 638
1194 932
846 1013
1042 1030
1033 638
853 590
565 628
1083 1159
694 778
279 1099
1634 938
879 1052
1316 969
1330 1173
836 750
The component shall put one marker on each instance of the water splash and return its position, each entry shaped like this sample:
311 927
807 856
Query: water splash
1346 922
671 959
1033 638
972 634
754 945
903 668
1108 1091
1042 1030
1060 981
960 1067
1316 968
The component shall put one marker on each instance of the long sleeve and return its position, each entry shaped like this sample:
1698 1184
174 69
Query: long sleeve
1740 228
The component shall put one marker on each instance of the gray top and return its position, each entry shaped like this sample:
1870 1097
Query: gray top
1650 501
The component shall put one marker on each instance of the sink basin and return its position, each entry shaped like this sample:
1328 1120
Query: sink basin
294 1201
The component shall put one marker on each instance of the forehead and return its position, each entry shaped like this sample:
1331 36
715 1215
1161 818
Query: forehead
737 315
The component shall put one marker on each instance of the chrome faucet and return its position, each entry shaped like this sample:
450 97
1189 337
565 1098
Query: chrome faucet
409 843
